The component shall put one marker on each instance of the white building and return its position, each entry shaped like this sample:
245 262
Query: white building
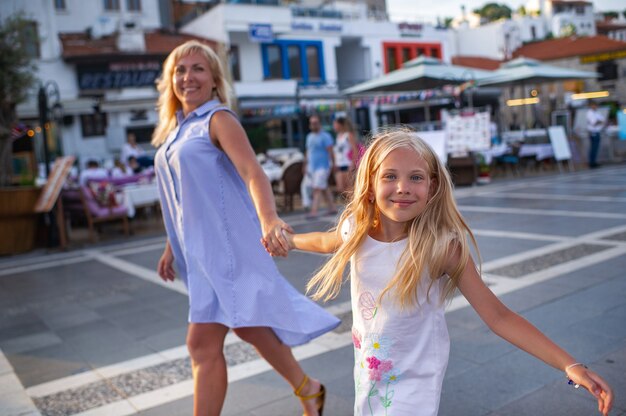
496 40
103 57
565 17
290 61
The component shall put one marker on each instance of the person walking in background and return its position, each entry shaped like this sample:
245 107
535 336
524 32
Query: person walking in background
595 125
217 204
408 249
346 150
318 162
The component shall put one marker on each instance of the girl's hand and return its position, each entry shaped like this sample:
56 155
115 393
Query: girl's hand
274 240
165 268
595 385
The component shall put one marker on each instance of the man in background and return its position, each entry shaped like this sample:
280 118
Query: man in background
595 124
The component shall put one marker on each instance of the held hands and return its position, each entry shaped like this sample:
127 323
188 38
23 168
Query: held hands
581 375
274 238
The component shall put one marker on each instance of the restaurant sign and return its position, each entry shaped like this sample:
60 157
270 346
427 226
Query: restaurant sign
117 75
601 57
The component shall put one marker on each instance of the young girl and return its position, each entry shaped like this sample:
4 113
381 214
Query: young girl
407 246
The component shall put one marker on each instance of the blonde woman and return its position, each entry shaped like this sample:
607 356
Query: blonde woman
346 150
406 243
217 205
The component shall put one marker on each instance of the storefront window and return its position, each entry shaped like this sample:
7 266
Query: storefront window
284 60
313 63
233 61
392 64
133 5
295 66
274 62
93 125
111 5
397 53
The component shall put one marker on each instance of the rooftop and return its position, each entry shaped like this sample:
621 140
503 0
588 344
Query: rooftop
79 45
568 47
478 62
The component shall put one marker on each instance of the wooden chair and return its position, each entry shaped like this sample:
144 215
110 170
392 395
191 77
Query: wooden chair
96 213
289 184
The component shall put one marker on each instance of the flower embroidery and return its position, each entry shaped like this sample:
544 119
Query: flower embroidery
368 305
377 345
356 339
373 364
390 377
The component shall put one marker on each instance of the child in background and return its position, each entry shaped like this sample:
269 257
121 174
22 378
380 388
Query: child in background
407 245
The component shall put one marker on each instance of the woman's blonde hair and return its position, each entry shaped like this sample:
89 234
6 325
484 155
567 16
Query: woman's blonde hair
168 104
432 236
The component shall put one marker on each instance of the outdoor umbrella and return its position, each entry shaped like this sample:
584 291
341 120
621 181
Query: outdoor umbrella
529 71
522 71
419 74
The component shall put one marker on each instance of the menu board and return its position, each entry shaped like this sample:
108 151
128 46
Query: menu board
467 131
52 188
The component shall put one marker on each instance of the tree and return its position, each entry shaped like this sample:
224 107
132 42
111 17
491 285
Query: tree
16 78
610 15
447 22
522 11
491 12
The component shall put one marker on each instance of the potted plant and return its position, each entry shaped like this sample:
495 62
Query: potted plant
484 170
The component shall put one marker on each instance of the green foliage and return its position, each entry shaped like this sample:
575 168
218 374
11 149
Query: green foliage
494 11
610 15
16 78
522 11
447 22
16 67
259 138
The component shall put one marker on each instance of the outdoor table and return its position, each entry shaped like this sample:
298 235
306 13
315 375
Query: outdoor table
272 170
539 151
494 152
139 195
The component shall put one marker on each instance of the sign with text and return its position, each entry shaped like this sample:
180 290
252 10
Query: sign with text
116 75
260 32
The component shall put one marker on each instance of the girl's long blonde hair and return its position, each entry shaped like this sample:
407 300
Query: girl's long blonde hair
168 104
432 236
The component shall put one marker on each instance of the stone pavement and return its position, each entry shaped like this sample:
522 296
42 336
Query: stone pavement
95 332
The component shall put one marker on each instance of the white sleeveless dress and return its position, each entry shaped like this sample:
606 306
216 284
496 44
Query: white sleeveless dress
400 355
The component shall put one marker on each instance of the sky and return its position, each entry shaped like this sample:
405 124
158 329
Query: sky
429 10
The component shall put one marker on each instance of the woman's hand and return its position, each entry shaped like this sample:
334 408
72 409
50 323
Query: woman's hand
165 268
274 239
595 385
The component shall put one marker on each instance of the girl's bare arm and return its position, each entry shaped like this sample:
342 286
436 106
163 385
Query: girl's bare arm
317 242
521 333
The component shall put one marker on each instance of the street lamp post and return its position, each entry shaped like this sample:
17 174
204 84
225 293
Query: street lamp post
48 93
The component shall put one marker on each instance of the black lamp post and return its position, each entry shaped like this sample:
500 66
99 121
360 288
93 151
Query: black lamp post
48 93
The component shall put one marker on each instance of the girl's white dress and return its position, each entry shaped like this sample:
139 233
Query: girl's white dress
400 355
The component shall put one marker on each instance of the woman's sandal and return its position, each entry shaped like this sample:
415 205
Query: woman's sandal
320 395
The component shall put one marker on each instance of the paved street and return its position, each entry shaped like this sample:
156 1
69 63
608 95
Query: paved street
95 332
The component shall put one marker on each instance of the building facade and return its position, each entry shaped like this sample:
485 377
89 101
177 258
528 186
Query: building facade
289 61
102 59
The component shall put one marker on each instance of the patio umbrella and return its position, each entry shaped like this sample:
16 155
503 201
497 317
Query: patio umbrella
419 74
522 71
530 71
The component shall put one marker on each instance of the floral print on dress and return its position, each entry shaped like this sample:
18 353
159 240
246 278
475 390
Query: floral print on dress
367 303
375 375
